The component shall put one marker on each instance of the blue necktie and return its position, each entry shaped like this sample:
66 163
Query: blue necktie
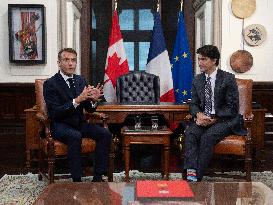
208 94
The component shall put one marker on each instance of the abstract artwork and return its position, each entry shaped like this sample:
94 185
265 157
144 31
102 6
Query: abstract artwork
26 33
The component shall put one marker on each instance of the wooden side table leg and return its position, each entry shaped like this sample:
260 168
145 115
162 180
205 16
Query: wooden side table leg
127 161
166 161
162 162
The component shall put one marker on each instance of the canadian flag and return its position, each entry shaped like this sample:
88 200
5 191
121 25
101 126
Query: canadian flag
116 62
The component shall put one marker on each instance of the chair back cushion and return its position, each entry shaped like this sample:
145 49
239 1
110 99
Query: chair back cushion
40 102
138 87
245 97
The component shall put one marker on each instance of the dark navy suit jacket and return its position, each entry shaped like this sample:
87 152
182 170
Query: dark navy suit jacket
58 98
226 100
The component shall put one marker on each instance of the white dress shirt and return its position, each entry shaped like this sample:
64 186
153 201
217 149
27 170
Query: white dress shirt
65 77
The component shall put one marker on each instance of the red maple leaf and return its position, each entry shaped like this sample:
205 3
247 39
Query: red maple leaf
114 70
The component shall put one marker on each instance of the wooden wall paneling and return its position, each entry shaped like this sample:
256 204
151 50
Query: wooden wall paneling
15 98
263 94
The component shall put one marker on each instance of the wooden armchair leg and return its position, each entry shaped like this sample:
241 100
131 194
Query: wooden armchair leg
111 163
162 162
248 163
51 170
40 165
51 160
248 155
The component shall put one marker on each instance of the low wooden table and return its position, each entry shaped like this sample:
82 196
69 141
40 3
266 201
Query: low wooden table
146 136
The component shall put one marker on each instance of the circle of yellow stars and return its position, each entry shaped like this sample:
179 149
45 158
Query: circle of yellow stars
176 58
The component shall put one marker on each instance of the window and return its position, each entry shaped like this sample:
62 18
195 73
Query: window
136 24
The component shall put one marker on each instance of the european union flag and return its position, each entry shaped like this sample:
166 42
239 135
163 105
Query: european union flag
181 64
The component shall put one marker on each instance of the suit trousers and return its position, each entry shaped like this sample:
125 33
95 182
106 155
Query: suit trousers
72 138
199 145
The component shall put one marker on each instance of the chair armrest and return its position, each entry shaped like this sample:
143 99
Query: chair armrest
188 117
249 118
41 118
44 126
248 121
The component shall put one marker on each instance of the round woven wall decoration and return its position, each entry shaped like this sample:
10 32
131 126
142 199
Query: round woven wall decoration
254 34
241 61
243 8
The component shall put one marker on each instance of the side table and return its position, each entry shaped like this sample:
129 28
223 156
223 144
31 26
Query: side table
145 136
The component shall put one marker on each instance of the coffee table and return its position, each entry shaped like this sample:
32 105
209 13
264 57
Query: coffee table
218 193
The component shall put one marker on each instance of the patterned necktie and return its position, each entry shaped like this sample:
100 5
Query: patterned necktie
208 94
72 86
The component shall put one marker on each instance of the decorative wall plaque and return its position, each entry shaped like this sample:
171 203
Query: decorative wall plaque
243 8
241 61
254 34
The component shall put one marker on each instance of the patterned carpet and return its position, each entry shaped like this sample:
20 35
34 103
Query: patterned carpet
24 189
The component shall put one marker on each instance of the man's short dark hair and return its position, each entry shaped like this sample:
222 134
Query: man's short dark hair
69 50
209 51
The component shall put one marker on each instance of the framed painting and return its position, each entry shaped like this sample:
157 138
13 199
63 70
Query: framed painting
26 33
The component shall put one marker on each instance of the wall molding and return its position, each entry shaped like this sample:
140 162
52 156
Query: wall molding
197 4
66 13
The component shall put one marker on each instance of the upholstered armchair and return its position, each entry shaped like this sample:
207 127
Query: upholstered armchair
51 149
236 145
241 145
138 87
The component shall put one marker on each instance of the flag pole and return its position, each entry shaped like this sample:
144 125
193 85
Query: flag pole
157 8
181 5
116 4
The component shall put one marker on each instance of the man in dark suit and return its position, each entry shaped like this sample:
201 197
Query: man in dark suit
66 95
214 107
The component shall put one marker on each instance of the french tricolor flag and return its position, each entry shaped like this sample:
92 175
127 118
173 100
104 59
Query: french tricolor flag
158 62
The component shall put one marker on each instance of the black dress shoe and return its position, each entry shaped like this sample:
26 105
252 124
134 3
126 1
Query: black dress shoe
77 180
97 178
